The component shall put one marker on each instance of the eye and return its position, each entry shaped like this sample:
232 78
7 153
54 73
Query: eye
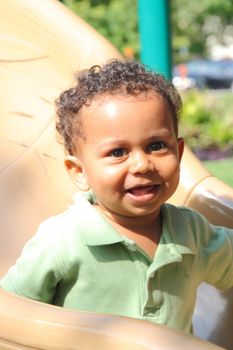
156 146
118 153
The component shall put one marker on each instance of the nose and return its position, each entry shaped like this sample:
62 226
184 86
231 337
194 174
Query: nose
140 163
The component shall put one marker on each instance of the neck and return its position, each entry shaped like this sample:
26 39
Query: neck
144 231
146 225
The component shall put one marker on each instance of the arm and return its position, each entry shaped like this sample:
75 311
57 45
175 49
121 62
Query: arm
35 274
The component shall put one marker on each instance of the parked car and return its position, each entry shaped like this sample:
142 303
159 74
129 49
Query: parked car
204 74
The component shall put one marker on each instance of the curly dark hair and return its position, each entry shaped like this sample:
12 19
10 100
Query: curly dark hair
115 77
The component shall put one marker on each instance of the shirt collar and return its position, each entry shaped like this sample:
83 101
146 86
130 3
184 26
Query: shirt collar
177 230
93 227
176 240
96 230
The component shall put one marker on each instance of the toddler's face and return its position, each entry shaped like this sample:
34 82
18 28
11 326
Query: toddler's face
131 154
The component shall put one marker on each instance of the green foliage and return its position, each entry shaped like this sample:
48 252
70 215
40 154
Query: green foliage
116 20
207 120
194 25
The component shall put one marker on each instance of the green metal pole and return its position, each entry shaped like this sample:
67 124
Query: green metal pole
154 29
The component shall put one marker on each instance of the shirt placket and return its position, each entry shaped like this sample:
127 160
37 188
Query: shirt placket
153 291
142 261
153 295
148 270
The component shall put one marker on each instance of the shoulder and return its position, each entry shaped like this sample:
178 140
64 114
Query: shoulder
183 216
212 245
57 237
67 223
189 221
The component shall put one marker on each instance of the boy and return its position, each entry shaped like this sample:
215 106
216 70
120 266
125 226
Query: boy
120 249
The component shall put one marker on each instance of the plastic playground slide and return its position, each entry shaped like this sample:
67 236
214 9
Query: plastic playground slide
42 45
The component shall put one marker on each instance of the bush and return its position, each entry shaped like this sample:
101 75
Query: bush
207 121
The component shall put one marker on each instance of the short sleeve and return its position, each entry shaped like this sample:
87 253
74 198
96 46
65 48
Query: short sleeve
217 250
35 274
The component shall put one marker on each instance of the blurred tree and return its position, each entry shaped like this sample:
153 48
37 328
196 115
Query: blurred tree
195 27
114 19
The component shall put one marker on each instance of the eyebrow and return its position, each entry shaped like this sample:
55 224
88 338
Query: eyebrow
111 143
164 133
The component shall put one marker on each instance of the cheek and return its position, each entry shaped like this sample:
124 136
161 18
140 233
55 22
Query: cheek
114 171
104 176
170 167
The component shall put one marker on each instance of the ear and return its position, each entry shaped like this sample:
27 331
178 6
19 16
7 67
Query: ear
76 171
180 147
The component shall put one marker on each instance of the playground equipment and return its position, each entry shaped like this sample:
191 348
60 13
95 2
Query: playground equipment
42 45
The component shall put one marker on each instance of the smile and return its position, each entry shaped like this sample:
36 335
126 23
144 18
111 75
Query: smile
142 193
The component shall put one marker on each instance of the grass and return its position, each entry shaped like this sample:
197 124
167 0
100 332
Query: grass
222 169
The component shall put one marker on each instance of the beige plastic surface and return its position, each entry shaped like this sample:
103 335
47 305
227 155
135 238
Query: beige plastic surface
200 190
39 326
42 44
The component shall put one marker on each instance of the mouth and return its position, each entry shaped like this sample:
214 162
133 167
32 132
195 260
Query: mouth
142 193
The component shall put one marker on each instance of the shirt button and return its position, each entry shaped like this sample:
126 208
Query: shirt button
131 246
150 312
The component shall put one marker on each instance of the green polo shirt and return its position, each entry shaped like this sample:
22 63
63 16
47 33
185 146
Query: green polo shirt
79 261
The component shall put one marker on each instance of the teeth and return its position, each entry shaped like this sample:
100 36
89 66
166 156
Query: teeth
139 191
